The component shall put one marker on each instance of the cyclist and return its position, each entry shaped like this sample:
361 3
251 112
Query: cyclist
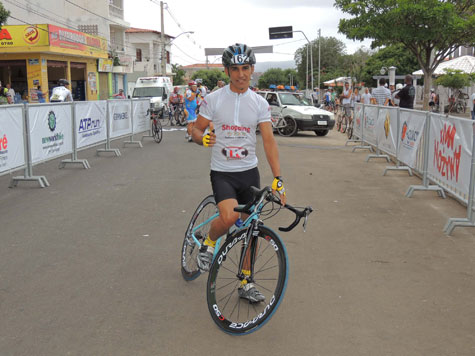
235 111
191 105
175 101
61 93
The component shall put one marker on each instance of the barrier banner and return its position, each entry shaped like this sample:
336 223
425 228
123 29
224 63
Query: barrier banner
410 133
450 153
91 125
12 145
141 116
386 128
358 124
120 119
369 122
50 131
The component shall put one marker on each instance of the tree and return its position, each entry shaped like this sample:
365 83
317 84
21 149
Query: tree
4 13
454 79
430 29
210 77
179 77
394 55
277 76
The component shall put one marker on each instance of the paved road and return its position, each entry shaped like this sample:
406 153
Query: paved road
90 265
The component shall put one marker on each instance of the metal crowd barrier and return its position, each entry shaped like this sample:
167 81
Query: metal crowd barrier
31 134
438 148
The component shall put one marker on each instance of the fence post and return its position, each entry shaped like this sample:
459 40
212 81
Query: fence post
362 146
378 151
131 141
74 155
398 167
425 179
470 220
107 147
28 175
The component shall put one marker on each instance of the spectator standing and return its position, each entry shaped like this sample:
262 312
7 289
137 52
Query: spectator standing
3 95
10 94
61 93
366 97
219 85
472 102
407 94
381 93
120 94
40 94
315 95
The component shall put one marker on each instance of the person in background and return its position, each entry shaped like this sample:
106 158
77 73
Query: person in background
40 94
61 93
366 97
406 95
219 85
10 94
120 94
399 86
3 95
472 103
315 95
381 93
191 105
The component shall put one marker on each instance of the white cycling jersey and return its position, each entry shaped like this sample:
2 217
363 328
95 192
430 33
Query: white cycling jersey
235 118
61 93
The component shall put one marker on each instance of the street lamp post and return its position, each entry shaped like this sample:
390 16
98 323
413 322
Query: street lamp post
311 58
164 59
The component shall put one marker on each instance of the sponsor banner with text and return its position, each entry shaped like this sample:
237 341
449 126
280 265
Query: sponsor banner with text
410 133
358 120
50 131
141 116
450 157
369 122
24 36
12 145
387 130
91 125
119 118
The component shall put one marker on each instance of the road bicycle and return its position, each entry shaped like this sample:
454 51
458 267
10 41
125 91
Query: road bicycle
157 131
339 113
285 126
252 245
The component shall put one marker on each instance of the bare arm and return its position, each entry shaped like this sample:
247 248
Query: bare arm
199 129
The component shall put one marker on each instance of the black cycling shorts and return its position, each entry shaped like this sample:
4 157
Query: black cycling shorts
234 185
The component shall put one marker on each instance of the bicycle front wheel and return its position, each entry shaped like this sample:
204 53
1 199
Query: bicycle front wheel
229 311
189 250
157 131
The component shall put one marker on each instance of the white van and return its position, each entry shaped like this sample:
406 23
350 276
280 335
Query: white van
158 89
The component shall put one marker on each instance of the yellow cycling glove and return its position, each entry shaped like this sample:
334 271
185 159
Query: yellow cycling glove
278 185
206 139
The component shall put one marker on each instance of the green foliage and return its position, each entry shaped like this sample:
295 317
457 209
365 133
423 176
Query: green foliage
179 77
454 79
4 13
210 77
277 76
394 55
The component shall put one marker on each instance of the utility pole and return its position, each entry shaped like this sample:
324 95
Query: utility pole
319 42
162 38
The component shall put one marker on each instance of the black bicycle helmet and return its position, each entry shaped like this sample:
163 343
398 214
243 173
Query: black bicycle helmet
238 54
63 82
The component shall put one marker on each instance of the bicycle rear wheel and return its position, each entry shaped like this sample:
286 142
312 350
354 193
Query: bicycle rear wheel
231 313
157 132
189 250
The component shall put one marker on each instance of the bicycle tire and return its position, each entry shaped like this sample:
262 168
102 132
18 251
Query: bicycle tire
189 250
290 128
223 300
157 131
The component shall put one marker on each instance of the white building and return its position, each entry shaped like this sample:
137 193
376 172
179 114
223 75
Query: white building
146 47
104 18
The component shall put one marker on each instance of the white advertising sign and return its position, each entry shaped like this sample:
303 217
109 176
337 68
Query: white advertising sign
410 133
451 151
387 130
91 124
120 119
358 121
50 131
141 116
369 122
12 146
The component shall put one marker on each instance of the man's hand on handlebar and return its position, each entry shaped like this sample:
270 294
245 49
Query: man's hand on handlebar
278 186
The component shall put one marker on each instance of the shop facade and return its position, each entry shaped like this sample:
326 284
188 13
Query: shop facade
37 56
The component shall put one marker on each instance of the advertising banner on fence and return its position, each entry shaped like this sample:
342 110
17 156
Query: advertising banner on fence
387 130
50 131
12 146
358 123
141 116
410 133
369 122
119 118
91 125
450 154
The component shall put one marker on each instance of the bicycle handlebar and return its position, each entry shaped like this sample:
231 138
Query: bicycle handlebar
266 193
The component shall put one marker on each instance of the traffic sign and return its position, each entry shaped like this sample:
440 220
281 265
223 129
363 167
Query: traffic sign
280 32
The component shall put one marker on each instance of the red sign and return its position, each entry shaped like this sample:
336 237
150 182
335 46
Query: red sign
71 39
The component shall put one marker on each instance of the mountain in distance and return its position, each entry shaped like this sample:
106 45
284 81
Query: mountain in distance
263 66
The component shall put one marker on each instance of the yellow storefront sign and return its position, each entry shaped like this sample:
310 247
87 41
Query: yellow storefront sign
24 36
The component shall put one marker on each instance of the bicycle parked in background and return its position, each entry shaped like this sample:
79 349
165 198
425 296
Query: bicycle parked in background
251 241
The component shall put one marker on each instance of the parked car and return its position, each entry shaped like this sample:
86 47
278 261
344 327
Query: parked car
299 114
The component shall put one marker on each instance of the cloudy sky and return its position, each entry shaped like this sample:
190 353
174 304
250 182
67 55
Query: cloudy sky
219 23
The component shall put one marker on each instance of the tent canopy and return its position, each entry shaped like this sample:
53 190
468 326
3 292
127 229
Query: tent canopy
338 81
464 63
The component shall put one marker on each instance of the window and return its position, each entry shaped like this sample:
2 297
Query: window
138 55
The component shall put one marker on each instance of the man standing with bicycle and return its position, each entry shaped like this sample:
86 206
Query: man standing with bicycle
175 101
235 111
346 102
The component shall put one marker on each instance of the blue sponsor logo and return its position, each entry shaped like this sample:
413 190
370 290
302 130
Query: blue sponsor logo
88 124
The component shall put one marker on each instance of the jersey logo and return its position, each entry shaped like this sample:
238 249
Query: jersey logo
233 152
